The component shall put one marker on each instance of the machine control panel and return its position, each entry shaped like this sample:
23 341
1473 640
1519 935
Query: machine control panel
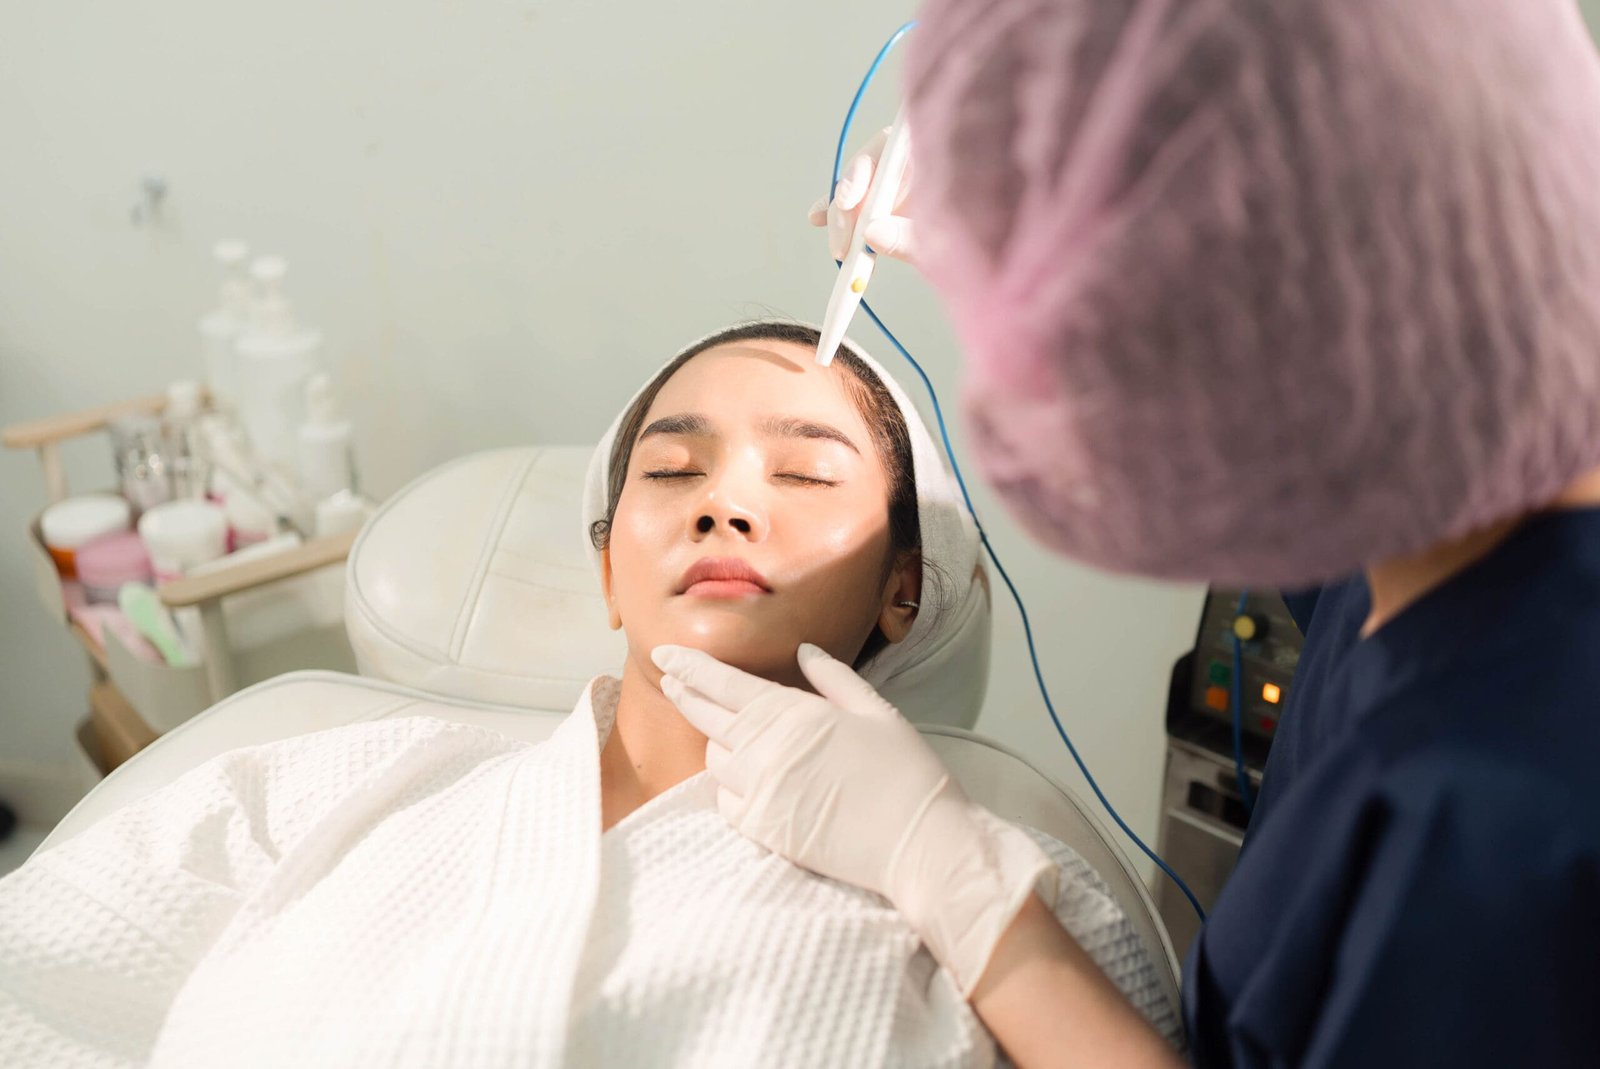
1200 705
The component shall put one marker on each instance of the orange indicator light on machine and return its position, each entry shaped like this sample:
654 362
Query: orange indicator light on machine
1271 692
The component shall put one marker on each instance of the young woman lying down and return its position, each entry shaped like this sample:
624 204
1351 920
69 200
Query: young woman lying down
418 892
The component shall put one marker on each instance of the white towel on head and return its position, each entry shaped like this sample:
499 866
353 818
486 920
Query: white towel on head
940 670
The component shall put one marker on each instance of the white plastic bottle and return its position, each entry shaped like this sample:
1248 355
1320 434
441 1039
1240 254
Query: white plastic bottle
234 467
275 358
327 464
187 458
250 521
342 512
219 328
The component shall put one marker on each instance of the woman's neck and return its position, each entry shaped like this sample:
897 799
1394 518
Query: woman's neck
1401 581
651 748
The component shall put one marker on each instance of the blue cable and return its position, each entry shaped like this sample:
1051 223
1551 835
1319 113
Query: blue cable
850 116
944 434
1238 713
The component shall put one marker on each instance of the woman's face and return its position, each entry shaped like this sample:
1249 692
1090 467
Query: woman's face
755 517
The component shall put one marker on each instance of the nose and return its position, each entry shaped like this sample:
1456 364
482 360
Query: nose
729 509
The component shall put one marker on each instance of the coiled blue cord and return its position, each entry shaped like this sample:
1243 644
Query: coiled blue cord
944 434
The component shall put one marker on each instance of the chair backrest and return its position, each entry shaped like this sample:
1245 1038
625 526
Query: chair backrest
302 702
473 582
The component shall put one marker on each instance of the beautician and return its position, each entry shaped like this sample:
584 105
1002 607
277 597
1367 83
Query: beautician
1267 292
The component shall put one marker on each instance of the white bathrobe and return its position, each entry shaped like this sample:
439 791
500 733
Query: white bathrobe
420 893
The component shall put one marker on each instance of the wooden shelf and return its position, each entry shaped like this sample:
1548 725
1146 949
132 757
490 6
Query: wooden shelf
96 652
54 429
317 553
118 727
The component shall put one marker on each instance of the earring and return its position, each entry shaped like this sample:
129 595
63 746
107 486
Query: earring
906 605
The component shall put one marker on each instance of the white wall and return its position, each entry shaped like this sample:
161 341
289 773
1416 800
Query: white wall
503 215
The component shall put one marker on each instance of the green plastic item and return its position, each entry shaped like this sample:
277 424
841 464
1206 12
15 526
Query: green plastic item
143 608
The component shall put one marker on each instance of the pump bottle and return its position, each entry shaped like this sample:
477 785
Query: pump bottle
276 357
326 461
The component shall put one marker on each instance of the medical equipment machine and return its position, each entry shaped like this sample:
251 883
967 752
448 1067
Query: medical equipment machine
855 270
1223 708
1201 713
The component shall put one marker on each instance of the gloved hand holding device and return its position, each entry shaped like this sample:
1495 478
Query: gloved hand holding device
893 235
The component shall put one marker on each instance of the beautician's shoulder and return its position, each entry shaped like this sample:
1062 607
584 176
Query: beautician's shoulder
1501 740
1470 885
1509 802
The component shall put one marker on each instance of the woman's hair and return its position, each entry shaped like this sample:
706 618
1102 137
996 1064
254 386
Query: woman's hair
873 400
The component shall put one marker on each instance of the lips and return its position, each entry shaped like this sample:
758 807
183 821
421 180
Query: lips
722 577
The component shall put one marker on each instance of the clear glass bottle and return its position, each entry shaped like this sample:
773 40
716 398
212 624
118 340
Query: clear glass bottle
140 451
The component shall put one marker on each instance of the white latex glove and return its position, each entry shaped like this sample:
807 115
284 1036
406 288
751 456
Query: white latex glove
893 235
840 783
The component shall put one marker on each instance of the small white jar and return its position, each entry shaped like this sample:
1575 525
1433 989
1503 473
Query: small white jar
77 521
181 534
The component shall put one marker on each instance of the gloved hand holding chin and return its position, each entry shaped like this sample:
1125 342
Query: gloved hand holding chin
840 783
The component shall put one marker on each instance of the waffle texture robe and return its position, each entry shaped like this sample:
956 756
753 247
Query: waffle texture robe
417 892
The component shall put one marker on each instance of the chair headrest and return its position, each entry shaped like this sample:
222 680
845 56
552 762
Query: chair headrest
473 582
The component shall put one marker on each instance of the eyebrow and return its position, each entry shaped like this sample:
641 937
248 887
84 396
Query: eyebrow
790 427
689 424
694 425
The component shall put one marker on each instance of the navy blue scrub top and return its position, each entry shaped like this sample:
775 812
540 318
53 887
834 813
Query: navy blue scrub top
1421 880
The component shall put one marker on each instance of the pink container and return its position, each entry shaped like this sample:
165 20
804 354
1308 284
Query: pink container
108 562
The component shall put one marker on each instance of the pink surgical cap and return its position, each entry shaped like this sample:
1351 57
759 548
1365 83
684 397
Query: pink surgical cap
1265 290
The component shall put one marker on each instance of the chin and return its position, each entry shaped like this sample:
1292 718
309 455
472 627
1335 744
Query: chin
766 658
778 667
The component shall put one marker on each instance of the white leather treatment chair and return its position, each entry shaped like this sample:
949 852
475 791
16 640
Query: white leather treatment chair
469 597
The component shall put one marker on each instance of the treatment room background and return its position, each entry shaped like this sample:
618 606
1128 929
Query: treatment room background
503 215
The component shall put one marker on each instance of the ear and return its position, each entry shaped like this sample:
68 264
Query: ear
606 589
904 585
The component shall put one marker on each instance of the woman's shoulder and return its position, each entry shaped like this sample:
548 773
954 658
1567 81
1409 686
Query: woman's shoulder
353 748
284 786
394 731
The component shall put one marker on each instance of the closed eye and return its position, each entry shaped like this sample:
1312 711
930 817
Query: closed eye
668 474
